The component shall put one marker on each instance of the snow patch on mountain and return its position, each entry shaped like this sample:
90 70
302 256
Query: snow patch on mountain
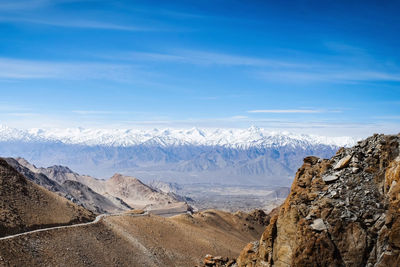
235 138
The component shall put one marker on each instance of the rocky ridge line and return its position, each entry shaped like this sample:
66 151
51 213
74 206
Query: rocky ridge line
341 212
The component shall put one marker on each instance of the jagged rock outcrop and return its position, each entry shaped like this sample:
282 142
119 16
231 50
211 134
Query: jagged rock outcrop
344 211
218 261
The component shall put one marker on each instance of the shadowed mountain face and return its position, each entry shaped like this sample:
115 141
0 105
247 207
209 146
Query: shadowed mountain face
28 171
72 190
25 206
134 192
92 200
119 193
340 212
124 191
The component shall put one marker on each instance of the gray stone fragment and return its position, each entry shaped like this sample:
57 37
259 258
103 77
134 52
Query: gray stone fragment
330 178
318 225
363 143
343 162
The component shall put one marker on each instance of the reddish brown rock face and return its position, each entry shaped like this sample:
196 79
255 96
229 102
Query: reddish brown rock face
340 212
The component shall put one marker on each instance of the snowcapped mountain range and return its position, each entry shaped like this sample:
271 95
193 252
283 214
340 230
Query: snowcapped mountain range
232 138
225 156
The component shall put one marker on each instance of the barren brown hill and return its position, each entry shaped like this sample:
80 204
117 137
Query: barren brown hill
71 189
28 170
91 200
344 211
25 206
122 191
149 240
132 191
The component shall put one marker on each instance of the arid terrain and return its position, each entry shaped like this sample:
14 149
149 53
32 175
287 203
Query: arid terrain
342 211
115 195
26 206
147 240
134 238
199 133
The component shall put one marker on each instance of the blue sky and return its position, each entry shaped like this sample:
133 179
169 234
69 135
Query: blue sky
324 67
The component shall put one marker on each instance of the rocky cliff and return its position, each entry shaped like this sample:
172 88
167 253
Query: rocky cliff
344 211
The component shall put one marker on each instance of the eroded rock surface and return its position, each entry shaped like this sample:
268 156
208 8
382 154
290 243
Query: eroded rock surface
344 211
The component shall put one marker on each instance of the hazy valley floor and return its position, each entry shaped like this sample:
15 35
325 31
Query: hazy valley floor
234 197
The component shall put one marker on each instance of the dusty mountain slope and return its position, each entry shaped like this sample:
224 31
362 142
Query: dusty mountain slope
72 189
132 191
92 200
60 173
123 191
56 173
340 212
135 241
25 205
28 170
107 202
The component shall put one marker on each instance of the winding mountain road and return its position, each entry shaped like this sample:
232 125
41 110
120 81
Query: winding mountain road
98 218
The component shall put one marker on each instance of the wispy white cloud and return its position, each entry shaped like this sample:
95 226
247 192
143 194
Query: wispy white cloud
239 117
18 5
91 25
273 69
7 5
31 69
282 111
92 112
22 11
87 112
6 107
207 97
205 58
345 48
387 118
327 75
22 114
171 13
75 23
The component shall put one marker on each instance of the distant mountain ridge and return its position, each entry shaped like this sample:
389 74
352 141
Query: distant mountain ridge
235 138
224 156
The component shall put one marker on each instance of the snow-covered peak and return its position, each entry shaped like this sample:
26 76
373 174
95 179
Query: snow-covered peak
237 138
